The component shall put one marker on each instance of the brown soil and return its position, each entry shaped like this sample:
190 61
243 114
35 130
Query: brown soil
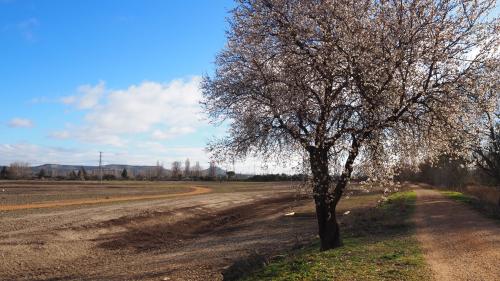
459 243
62 203
179 238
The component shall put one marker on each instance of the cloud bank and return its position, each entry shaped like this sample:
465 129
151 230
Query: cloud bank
160 110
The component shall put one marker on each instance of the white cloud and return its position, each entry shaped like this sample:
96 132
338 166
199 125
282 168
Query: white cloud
88 96
147 153
69 100
160 110
171 133
20 123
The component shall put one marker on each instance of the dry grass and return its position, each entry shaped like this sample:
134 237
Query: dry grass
486 208
488 194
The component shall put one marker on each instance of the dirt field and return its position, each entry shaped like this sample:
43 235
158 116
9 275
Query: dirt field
185 231
140 231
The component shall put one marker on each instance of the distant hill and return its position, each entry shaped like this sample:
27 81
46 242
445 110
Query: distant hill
111 169
65 169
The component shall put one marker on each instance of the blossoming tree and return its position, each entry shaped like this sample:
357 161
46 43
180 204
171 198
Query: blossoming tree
356 82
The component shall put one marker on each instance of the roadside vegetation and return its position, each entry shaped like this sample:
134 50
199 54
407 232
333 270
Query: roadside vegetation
379 244
486 208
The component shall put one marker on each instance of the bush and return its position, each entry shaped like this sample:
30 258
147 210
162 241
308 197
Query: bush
109 177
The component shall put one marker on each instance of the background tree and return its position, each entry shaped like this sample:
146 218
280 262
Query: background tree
212 170
187 168
73 175
150 172
108 177
446 170
230 175
487 149
197 170
159 170
82 173
488 156
42 174
124 173
4 174
176 170
354 84
19 170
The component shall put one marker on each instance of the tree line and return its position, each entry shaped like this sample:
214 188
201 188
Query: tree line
178 171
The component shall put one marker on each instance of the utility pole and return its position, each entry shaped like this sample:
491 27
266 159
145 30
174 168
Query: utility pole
100 167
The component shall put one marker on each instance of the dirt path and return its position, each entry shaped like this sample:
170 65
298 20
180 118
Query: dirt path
63 203
459 243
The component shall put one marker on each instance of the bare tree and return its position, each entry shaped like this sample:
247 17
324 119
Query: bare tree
187 168
72 175
197 170
158 170
82 173
354 84
19 170
212 170
176 170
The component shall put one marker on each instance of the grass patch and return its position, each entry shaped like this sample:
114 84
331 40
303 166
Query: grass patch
379 244
486 208
458 196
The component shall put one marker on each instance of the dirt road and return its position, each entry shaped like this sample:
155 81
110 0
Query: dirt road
459 243
179 238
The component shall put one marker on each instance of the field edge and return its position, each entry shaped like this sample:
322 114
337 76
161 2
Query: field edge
368 253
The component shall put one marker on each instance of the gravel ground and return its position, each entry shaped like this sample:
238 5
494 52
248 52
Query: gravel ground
459 243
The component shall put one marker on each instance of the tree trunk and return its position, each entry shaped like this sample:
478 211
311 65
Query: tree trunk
329 233
325 198
328 228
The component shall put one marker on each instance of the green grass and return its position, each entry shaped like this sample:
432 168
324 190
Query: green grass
379 244
458 196
485 208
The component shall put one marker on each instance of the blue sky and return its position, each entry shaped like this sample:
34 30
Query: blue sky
121 77
118 76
